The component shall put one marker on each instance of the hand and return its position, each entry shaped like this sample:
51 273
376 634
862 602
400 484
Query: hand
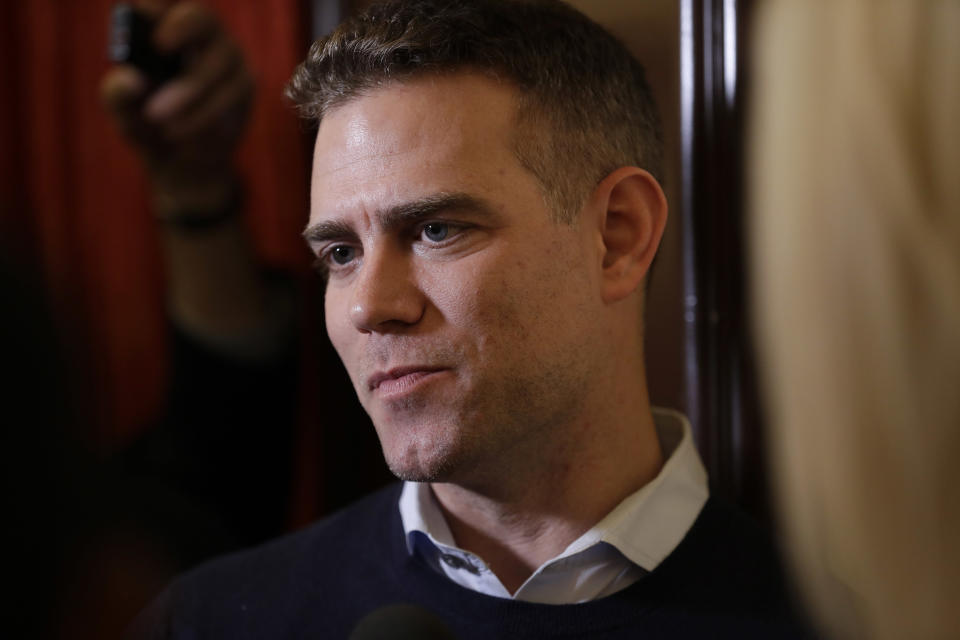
187 129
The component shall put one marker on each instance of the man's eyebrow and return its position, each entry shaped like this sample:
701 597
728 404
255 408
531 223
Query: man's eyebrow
327 231
432 205
401 214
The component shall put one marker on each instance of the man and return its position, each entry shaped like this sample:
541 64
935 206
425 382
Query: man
485 208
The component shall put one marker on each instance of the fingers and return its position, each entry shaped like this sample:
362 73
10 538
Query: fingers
153 8
122 92
212 66
187 128
185 25
215 82
122 87
224 109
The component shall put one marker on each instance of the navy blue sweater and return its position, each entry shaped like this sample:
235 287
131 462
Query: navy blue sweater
722 581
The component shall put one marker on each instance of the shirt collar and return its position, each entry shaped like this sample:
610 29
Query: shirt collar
645 527
648 525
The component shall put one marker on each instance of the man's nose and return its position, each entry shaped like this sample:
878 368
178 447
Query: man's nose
385 296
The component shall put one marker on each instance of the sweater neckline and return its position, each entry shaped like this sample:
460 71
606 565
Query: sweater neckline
621 609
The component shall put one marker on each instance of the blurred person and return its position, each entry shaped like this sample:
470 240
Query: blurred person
88 557
96 536
856 262
485 209
187 130
232 320
205 478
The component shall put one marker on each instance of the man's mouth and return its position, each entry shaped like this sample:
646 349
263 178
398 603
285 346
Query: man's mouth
400 379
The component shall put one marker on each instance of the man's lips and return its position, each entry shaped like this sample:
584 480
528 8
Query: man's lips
399 378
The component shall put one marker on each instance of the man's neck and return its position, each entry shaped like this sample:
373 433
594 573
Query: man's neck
531 516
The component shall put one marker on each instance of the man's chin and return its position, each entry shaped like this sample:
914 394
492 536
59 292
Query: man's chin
428 461
420 470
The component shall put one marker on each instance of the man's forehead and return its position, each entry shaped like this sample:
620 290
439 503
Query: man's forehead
432 134
447 113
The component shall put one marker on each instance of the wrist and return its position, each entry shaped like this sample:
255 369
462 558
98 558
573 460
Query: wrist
199 206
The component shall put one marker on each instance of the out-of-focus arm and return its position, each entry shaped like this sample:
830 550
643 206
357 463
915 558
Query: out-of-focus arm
186 131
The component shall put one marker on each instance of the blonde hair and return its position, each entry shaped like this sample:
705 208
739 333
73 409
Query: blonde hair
856 254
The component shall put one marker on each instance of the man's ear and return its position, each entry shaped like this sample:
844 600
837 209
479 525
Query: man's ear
633 214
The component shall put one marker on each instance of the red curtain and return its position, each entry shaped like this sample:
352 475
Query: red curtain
74 200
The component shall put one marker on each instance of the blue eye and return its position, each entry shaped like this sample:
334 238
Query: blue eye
343 254
436 231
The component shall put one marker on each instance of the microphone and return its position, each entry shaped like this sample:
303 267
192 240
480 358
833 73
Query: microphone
401 622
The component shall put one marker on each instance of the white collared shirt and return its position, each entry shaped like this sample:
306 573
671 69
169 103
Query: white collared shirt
616 552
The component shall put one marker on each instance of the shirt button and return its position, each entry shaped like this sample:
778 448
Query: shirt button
456 562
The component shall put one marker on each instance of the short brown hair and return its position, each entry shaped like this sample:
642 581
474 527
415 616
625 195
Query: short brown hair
584 110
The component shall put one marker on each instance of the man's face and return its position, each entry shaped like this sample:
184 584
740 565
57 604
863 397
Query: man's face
461 311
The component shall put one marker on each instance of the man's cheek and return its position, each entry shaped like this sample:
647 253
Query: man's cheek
339 346
335 319
339 338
